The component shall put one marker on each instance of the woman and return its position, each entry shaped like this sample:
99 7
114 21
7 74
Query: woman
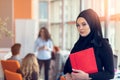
29 67
89 28
44 46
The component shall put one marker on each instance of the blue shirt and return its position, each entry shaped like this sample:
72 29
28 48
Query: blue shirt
43 54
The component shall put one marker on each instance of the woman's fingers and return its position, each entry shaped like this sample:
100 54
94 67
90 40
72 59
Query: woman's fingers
77 71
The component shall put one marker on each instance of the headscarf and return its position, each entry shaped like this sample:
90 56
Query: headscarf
95 36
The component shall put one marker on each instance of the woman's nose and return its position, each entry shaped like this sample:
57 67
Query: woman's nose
80 27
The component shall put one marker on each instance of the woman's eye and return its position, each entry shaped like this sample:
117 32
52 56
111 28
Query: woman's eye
84 24
77 25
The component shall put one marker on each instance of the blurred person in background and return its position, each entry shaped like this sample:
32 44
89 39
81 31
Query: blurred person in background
44 47
29 67
15 50
59 62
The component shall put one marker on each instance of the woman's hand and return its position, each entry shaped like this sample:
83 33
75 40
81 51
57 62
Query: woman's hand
43 48
79 75
40 48
68 76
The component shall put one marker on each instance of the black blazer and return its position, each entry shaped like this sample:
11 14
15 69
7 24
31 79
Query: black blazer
104 60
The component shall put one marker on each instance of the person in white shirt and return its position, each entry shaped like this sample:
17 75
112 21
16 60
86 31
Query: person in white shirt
43 47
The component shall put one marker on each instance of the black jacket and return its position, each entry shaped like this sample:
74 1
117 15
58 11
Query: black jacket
104 60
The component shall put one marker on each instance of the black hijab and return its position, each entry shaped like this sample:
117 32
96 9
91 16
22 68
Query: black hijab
95 36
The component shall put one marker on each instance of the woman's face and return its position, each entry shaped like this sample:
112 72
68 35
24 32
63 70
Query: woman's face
42 32
82 26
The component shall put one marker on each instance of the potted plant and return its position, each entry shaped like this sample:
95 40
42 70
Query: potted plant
3 28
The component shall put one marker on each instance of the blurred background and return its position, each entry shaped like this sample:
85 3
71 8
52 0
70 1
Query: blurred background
25 17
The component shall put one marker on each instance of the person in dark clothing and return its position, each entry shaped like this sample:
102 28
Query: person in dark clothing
29 67
59 62
89 28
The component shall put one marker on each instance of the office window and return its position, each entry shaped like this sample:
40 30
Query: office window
55 34
43 10
71 35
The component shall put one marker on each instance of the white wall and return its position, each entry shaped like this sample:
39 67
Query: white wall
26 33
6 11
117 41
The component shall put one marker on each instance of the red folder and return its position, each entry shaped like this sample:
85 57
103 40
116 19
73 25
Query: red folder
84 60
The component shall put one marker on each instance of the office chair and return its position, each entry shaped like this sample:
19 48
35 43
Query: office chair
12 75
